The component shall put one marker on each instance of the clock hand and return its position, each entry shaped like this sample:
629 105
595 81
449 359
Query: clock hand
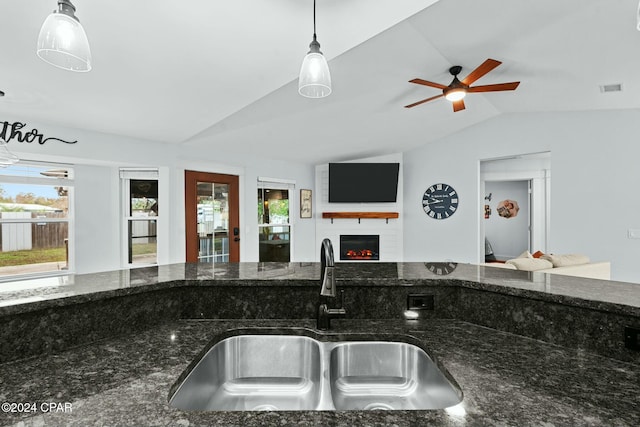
431 202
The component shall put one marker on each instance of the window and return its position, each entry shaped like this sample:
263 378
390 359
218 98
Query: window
140 191
274 222
35 219
213 221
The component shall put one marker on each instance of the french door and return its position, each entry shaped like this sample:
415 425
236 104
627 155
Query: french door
212 217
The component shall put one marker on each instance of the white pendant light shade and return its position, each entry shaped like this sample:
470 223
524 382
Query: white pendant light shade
7 158
315 79
62 41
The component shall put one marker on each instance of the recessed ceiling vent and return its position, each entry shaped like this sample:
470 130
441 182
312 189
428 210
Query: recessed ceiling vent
616 87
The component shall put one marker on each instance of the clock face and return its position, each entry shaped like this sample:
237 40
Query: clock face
440 201
441 268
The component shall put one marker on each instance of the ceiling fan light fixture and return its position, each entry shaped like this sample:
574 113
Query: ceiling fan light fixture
7 158
315 79
455 94
458 89
62 41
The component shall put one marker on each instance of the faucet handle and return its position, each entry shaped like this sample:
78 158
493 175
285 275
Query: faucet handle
328 286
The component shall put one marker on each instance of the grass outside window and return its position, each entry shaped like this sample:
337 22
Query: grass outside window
32 256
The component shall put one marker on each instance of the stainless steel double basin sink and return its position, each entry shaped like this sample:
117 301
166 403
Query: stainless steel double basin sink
292 372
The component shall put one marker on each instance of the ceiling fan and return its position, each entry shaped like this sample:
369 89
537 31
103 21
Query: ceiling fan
458 89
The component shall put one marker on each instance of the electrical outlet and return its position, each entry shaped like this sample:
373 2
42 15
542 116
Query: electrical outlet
420 302
632 338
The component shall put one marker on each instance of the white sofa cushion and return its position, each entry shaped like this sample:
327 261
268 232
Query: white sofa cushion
566 260
500 265
530 264
593 270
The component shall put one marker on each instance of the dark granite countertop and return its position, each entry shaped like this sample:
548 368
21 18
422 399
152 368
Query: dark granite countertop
35 294
507 380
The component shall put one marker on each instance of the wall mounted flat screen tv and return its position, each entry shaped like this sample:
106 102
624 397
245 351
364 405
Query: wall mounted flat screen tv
363 182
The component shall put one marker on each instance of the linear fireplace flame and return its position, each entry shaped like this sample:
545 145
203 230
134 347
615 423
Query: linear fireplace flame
359 247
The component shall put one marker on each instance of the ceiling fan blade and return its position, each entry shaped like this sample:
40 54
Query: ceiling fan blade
428 83
494 88
483 69
458 105
423 101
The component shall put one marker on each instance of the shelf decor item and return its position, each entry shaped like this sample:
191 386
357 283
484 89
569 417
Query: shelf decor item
305 204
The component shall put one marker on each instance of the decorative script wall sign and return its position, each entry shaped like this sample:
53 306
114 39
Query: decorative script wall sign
13 131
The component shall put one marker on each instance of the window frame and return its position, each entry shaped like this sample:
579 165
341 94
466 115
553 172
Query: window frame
67 182
280 184
126 175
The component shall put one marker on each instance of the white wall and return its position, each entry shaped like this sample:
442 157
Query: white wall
96 225
509 237
391 235
594 189
97 158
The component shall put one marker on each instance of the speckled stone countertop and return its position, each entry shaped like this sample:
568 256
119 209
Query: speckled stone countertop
507 380
35 294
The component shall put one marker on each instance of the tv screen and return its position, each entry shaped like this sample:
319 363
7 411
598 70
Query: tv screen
363 182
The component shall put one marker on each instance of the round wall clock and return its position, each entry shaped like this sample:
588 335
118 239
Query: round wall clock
441 268
440 201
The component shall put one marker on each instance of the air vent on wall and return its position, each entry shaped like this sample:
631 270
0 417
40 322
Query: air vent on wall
616 87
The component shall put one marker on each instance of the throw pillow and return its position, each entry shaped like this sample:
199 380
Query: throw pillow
566 260
538 254
525 254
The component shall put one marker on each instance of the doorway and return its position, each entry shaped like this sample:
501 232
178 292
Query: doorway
515 201
507 220
212 218
274 224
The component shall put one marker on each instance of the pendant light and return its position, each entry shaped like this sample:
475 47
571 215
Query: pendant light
315 79
62 41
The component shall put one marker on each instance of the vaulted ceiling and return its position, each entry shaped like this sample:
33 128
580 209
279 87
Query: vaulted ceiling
222 76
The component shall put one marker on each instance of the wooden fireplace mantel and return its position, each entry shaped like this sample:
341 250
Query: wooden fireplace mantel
360 215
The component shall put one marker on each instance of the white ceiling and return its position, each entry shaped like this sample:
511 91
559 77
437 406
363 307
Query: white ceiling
222 76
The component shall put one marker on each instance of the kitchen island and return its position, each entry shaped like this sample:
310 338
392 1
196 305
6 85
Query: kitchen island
124 377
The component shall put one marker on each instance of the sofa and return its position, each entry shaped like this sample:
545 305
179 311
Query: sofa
569 265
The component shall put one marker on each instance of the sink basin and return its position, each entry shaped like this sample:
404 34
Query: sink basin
388 375
254 372
290 372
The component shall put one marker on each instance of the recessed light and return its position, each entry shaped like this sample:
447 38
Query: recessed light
616 87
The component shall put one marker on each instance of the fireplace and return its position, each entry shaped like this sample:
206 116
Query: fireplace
358 247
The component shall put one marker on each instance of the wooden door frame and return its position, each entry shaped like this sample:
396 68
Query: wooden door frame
191 179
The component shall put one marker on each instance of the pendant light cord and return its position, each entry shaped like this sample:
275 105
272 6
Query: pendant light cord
314 19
